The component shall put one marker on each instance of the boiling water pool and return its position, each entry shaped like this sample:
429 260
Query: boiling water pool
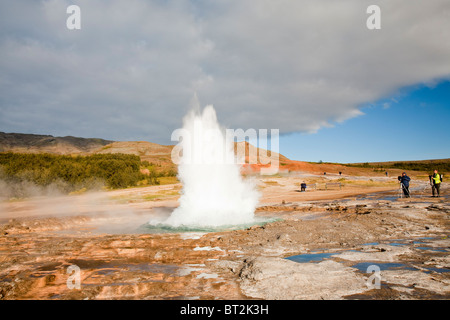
166 228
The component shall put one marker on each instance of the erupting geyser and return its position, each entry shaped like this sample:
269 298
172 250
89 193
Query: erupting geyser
214 193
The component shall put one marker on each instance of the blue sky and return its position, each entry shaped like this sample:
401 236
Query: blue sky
411 125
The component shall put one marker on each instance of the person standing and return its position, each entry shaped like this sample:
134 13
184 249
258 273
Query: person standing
303 187
404 180
435 180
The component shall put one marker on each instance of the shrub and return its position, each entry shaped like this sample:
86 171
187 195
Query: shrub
71 173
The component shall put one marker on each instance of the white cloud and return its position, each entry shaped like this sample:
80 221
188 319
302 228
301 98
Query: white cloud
131 70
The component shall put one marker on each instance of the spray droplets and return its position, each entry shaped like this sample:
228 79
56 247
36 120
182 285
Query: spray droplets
214 192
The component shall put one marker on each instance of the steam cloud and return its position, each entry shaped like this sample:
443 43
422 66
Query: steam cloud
214 192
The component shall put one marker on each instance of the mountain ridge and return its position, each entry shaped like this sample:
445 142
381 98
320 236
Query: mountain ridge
37 143
161 155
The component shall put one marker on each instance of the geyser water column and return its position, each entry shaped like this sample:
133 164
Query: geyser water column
214 192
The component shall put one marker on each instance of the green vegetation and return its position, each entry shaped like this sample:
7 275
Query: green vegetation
168 180
74 173
428 166
158 170
420 166
323 162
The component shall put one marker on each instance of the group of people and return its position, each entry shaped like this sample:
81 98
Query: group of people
435 181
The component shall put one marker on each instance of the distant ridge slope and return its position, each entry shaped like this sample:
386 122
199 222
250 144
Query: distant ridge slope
34 143
148 151
160 155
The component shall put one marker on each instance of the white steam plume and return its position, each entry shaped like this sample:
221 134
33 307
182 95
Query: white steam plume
214 191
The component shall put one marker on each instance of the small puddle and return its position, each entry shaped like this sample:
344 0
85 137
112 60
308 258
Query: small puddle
311 257
407 242
397 244
314 216
378 197
157 227
438 270
364 266
432 249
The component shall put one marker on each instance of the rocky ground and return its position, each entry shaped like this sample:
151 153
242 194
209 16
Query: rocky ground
350 243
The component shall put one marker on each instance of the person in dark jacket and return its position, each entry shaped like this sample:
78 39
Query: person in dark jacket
404 180
303 187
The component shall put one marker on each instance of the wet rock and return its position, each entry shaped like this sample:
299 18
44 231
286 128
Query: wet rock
276 278
283 237
140 266
376 253
416 279
230 266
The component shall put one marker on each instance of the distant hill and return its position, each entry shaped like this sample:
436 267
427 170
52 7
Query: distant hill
34 143
157 154
160 155
388 163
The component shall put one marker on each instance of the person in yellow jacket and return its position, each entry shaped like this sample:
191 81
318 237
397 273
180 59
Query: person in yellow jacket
435 180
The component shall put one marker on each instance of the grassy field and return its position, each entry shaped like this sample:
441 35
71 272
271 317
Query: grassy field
168 180
367 183
442 165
